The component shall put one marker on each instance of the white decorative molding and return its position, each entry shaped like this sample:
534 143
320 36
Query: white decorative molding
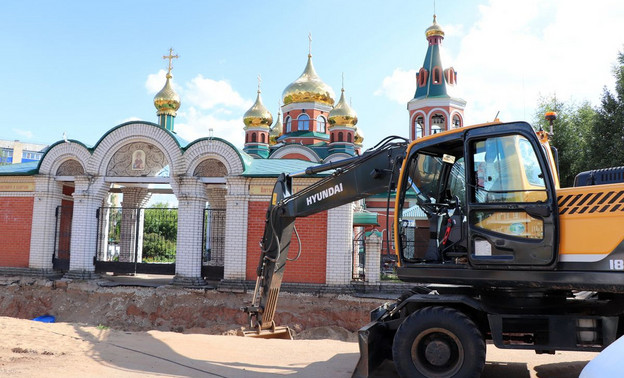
136 159
296 149
213 149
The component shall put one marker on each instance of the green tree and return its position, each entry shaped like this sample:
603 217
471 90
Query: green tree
607 137
571 131
160 232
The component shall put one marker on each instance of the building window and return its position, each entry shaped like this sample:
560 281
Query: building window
422 77
437 75
340 137
288 124
253 138
246 138
262 140
331 138
349 138
320 124
456 121
303 122
419 126
437 123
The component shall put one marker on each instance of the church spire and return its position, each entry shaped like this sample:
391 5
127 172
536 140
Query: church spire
434 82
167 101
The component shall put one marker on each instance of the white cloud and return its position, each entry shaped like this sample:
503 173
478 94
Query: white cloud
207 93
453 30
518 51
206 104
399 87
155 82
194 124
547 48
23 133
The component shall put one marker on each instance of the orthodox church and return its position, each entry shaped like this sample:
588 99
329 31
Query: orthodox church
58 218
314 129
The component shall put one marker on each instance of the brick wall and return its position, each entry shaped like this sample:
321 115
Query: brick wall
310 268
15 223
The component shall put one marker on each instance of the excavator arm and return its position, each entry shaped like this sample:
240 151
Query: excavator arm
375 171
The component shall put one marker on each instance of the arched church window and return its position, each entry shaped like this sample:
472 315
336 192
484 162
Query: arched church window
437 123
254 138
349 138
419 127
303 122
422 77
437 75
340 137
262 140
246 138
331 138
456 121
320 124
288 122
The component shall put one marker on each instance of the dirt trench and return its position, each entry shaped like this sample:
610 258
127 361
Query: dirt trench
169 308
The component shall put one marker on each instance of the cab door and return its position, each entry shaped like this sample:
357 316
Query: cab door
512 215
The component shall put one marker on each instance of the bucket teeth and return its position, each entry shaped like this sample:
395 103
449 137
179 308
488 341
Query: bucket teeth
273 333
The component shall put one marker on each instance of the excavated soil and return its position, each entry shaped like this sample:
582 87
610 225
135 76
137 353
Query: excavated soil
168 308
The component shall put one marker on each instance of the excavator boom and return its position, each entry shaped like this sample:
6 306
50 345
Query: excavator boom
375 171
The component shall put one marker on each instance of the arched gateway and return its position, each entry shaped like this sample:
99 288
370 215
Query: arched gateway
130 159
60 215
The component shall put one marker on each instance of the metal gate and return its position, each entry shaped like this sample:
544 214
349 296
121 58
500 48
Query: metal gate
358 271
62 237
214 244
137 240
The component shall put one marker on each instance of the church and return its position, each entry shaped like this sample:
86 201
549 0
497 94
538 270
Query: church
60 217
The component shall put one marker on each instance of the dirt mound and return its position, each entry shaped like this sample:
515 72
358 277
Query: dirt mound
169 308
327 332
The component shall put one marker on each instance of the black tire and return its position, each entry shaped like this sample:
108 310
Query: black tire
438 342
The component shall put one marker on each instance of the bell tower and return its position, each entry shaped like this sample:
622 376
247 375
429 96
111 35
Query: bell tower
434 108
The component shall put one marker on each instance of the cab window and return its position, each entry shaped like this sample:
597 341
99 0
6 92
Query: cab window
506 169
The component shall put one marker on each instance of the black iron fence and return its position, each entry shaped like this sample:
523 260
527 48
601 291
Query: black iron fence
358 259
137 240
214 236
214 244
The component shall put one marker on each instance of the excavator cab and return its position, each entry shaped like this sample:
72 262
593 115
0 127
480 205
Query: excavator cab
486 197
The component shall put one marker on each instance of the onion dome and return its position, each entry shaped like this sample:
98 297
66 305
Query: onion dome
308 88
358 139
167 100
276 130
258 115
434 30
342 114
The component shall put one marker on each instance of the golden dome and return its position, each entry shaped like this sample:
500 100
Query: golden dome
342 114
308 88
434 30
276 130
167 100
358 138
258 115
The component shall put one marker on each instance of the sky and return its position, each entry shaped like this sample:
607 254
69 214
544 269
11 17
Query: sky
83 67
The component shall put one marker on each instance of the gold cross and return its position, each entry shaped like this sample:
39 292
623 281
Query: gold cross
259 81
170 57
310 44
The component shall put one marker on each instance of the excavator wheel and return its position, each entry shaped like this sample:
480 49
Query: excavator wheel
438 342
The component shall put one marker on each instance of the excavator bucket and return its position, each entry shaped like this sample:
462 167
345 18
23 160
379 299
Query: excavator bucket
272 333
371 339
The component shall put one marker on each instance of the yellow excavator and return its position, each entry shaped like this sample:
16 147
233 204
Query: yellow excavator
508 255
